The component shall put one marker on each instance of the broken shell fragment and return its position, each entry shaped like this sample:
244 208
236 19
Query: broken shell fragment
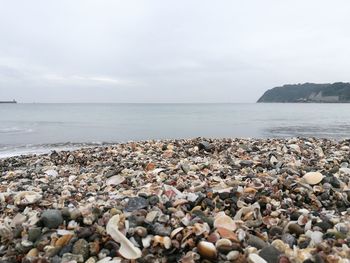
224 221
127 249
27 198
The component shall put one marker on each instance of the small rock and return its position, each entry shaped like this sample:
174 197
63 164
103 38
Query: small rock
52 218
207 250
136 203
257 242
203 145
295 229
161 230
81 247
68 257
289 240
275 231
34 234
270 254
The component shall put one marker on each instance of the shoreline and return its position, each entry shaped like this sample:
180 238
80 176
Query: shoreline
188 200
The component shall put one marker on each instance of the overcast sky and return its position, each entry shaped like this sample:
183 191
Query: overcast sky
168 51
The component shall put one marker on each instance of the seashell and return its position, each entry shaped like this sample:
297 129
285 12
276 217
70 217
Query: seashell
250 190
302 220
270 221
140 231
317 237
200 229
207 250
64 240
115 180
52 173
225 233
19 219
280 245
224 221
224 244
127 249
233 255
180 202
214 236
164 241
146 241
176 231
255 258
313 178
34 252
150 167
27 198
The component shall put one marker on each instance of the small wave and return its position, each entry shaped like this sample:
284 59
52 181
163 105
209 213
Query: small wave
16 150
15 130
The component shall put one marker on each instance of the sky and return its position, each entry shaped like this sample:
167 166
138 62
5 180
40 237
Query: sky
168 51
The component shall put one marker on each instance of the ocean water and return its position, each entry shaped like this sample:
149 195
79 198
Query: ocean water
39 128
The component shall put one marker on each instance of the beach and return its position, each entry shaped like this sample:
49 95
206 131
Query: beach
189 200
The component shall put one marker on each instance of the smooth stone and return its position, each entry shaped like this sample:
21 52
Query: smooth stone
161 230
257 242
207 250
270 254
203 145
136 203
68 257
255 258
313 178
275 231
81 247
52 218
34 234
153 200
289 240
324 225
295 229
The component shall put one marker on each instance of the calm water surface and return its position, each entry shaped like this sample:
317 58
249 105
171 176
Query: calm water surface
28 128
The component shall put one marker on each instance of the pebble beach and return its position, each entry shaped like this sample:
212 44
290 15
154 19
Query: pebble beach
196 200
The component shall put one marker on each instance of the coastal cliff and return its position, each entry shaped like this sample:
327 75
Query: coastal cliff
309 92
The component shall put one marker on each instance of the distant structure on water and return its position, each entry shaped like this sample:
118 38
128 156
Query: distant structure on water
8 101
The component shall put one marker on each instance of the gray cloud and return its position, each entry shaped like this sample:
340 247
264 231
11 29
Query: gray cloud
161 51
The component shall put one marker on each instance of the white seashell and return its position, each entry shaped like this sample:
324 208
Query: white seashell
52 173
109 260
313 178
146 241
63 232
224 221
316 237
164 241
27 198
176 231
127 249
255 258
223 243
115 180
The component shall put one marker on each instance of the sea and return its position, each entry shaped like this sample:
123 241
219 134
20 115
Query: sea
40 128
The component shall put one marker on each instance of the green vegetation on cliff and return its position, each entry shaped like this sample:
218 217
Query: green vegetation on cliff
309 92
